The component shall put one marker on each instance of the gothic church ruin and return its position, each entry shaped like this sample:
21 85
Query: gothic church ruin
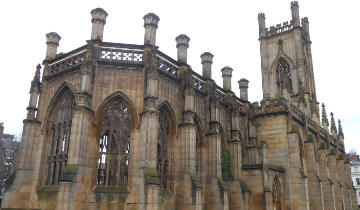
125 126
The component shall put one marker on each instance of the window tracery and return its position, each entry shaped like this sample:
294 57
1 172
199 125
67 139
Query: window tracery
283 76
114 144
60 137
162 165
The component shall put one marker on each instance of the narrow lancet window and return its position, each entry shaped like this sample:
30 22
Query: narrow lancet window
60 137
283 76
276 193
162 150
114 144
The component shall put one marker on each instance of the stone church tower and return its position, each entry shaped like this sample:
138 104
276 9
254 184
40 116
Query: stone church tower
125 126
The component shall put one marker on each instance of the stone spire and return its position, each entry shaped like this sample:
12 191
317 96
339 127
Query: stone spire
340 134
333 126
324 119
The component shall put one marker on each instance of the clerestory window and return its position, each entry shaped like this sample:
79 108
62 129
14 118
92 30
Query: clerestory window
114 144
60 137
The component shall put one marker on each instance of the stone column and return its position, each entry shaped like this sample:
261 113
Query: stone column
150 23
206 61
52 42
226 75
328 197
298 180
98 22
213 192
314 183
182 44
149 122
334 178
235 145
243 86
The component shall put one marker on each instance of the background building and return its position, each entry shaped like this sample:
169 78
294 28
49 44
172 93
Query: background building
8 158
355 173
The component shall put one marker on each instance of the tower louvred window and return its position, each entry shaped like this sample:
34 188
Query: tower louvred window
60 136
114 144
283 76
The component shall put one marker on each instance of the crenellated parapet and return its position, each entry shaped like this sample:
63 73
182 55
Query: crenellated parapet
279 28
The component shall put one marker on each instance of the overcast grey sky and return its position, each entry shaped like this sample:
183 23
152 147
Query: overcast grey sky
227 29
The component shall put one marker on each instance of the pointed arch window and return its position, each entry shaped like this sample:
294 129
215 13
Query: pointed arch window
276 193
60 136
283 76
114 144
162 165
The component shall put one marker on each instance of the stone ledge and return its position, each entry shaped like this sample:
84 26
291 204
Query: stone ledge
48 189
122 189
151 176
69 173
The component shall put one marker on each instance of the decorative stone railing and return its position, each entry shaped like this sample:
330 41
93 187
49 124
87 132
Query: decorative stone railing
68 62
297 113
310 123
198 83
279 28
122 55
167 66
220 95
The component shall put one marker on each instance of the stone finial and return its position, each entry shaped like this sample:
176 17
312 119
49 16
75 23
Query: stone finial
35 83
340 134
150 24
262 25
324 119
34 92
305 27
98 21
52 42
295 13
182 44
333 126
226 75
243 86
206 61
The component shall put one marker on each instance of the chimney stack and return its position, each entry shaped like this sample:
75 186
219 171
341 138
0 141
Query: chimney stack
206 61
52 42
243 86
226 75
98 21
182 44
150 23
